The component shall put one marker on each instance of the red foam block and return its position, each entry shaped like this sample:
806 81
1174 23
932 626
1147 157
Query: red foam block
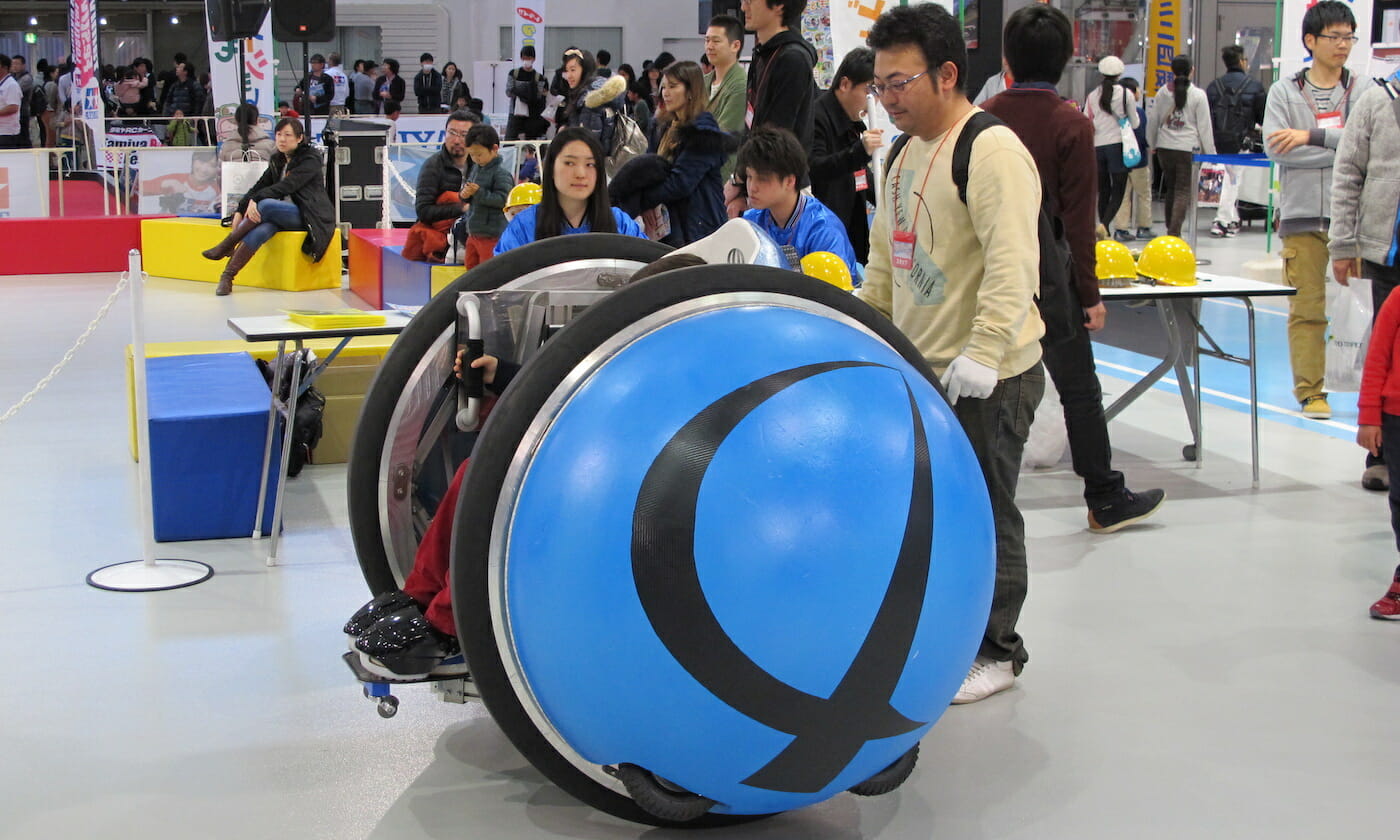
366 261
70 245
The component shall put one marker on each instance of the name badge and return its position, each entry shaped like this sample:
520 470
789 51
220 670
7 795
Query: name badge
1331 119
862 180
902 250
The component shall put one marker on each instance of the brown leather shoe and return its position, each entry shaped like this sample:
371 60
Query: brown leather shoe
235 264
225 248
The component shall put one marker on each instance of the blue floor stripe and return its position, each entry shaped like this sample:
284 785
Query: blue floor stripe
1227 322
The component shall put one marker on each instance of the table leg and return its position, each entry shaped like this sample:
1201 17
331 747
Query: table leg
267 442
1169 361
288 431
1185 386
1253 395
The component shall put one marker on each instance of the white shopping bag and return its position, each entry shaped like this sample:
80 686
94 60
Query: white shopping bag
1045 445
1348 334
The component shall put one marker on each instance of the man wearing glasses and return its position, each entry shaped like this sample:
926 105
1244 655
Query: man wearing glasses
438 198
959 279
1303 124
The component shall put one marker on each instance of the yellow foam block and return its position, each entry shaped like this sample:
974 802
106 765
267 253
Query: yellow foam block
441 276
360 351
171 248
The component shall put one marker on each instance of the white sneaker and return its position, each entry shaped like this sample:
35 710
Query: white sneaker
985 678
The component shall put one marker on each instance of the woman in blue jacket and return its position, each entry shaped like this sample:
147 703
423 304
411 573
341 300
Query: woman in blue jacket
574 195
695 147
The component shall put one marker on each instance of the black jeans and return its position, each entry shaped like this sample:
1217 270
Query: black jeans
1113 182
1177 184
1384 279
997 428
1071 367
1390 452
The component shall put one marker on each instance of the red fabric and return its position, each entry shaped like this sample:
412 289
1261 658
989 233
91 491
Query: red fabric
428 243
479 250
427 583
1380 381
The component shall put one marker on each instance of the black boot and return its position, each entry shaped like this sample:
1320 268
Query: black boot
235 235
235 264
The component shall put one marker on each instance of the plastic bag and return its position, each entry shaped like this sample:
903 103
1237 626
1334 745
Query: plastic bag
1348 334
1045 445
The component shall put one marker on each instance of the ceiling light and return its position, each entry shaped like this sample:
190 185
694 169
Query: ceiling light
174 20
102 21
33 21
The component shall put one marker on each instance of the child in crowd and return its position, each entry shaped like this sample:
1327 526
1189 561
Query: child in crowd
485 193
1378 425
773 163
286 111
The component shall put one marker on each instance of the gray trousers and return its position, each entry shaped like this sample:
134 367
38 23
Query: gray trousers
998 427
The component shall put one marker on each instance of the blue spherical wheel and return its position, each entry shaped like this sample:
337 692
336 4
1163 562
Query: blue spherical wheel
724 528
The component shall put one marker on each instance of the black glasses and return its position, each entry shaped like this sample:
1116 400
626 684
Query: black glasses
1342 40
894 87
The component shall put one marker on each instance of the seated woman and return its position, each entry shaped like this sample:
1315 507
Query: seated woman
574 195
411 633
251 142
291 195
693 148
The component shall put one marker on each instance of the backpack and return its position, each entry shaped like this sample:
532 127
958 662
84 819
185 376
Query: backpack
1230 117
1056 299
38 100
628 141
307 417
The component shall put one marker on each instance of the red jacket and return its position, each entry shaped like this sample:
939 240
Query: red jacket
1380 382
1061 141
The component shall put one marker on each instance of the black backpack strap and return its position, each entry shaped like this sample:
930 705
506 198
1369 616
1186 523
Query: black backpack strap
899 143
962 150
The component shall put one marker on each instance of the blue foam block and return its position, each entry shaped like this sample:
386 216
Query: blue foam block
405 282
208 418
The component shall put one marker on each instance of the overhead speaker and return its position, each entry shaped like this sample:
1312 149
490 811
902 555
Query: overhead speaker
230 20
303 20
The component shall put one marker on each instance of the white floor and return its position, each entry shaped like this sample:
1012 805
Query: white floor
1211 674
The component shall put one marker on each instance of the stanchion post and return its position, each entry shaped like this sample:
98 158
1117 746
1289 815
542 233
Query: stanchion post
148 574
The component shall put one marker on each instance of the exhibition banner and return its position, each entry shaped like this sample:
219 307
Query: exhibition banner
87 97
1164 41
24 184
258 72
529 26
1293 56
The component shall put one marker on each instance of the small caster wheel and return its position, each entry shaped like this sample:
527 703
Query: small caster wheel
1188 452
388 706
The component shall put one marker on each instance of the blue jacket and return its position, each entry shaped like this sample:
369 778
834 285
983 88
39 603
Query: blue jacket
812 228
692 189
521 230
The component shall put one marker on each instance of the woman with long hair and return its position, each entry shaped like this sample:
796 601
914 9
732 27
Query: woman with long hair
453 86
694 149
1111 103
591 102
290 195
251 142
574 195
1179 126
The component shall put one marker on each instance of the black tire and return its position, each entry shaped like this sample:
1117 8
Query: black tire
504 430
437 316
891 777
660 800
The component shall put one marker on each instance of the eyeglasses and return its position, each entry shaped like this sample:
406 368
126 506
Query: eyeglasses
896 88
458 133
1342 40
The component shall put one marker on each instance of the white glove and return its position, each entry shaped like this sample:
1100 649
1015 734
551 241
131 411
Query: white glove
967 378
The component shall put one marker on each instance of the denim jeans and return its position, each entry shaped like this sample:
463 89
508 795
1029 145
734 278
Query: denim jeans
1384 279
1113 181
277 215
1071 367
997 428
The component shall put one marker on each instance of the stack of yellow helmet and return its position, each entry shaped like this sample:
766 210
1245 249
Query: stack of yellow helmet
1113 264
522 196
825 265
1168 260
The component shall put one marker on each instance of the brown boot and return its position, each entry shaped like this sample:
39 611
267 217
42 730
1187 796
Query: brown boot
235 264
235 235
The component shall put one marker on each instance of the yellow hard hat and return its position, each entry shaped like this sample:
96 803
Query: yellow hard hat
1168 260
828 267
524 194
1113 263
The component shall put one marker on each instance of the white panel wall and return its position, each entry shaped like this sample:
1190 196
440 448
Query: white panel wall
473 25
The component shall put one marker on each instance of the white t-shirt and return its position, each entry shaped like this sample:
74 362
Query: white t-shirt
342 85
10 94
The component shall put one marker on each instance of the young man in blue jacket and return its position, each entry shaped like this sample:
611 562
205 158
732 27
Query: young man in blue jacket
773 163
